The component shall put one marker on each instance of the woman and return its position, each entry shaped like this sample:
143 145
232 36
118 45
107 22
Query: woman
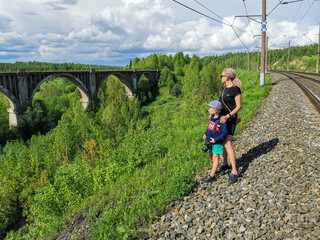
231 100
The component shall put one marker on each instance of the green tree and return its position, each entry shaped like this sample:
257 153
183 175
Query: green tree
191 84
210 82
152 62
135 63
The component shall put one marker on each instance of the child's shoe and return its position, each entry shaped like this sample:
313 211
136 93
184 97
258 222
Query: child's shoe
209 179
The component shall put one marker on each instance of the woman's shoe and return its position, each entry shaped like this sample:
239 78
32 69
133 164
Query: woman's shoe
233 178
222 169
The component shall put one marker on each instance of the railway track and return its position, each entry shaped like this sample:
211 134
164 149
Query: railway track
277 196
309 83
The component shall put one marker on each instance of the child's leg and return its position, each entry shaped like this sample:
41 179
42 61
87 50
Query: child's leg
215 164
215 160
210 156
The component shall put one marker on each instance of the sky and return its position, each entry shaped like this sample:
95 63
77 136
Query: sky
113 32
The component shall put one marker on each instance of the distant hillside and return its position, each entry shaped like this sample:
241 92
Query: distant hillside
301 58
44 66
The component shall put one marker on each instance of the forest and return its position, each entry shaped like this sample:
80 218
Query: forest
123 162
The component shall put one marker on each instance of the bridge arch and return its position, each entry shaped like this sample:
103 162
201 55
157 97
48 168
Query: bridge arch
129 87
11 98
13 116
85 95
148 75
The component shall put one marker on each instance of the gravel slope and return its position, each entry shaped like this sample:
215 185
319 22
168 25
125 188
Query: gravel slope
277 196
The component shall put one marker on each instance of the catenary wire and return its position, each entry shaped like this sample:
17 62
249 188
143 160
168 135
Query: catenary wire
309 38
245 8
209 10
277 41
275 7
192 9
281 2
239 38
307 11
297 12
200 13
218 16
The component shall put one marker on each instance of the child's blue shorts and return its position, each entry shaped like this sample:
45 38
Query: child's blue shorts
217 149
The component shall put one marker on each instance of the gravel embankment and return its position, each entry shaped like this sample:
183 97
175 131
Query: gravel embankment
278 194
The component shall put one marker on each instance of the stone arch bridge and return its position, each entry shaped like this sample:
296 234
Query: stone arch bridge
20 87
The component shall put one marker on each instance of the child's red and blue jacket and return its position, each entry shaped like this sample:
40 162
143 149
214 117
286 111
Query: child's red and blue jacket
220 133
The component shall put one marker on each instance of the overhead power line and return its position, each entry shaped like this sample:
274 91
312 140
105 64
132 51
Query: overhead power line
297 12
209 10
239 38
292 1
200 13
250 17
245 7
309 38
277 41
225 23
275 7
282 2
238 35
306 11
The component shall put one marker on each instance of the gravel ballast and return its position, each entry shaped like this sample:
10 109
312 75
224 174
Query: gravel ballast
277 195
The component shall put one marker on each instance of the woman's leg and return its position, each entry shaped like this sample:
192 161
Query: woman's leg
227 145
225 157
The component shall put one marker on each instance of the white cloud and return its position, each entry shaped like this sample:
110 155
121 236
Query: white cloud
95 30
47 52
157 42
92 34
136 17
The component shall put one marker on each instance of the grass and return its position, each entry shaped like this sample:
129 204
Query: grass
170 156
142 196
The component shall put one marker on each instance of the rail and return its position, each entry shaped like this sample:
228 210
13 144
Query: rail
303 80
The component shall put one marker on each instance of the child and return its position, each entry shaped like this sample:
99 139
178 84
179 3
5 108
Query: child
214 135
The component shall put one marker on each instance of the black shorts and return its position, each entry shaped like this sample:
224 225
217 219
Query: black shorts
231 125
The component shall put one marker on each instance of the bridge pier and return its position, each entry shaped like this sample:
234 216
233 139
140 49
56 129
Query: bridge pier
93 82
24 95
85 103
13 117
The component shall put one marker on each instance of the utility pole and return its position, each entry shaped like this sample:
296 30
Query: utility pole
266 62
237 61
317 70
258 60
248 60
288 57
263 43
270 60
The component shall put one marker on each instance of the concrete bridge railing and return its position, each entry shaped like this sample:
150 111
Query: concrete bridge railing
20 87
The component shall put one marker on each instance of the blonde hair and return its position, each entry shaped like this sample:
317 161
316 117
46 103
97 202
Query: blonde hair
231 73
